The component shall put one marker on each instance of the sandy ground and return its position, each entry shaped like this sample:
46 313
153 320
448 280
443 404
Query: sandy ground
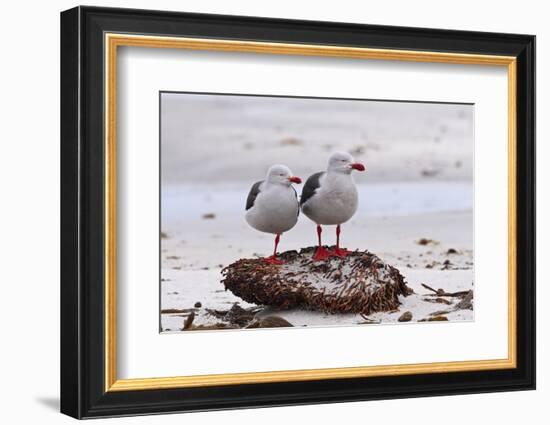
418 184
210 233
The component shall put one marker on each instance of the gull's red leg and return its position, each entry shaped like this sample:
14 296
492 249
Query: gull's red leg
321 253
339 252
273 259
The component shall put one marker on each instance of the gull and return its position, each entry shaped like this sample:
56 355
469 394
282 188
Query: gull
330 198
272 205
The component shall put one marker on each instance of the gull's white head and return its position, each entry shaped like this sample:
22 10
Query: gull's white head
281 174
343 162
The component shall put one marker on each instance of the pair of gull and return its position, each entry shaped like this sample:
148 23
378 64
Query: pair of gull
328 198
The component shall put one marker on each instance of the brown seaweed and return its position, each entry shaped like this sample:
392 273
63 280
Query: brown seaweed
359 283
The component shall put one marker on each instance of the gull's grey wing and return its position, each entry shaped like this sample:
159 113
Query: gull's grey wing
253 194
312 184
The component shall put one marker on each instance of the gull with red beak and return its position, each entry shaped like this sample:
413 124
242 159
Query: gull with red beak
272 205
330 198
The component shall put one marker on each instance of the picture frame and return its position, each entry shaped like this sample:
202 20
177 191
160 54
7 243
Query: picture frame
91 37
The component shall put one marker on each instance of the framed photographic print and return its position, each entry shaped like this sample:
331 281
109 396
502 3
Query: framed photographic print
261 212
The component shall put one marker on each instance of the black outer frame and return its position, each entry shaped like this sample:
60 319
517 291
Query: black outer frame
82 220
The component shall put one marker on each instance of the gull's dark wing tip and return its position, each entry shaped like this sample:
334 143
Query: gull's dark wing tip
296 194
253 194
312 184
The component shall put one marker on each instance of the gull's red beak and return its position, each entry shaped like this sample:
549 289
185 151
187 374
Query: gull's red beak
358 166
295 179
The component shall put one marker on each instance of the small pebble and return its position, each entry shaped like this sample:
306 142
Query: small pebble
270 322
405 317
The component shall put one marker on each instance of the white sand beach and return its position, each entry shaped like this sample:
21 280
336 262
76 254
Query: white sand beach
418 185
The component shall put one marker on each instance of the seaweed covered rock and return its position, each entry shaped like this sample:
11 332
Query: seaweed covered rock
359 283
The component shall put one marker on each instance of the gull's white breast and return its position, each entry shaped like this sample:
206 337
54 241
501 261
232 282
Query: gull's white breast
275 209
334 202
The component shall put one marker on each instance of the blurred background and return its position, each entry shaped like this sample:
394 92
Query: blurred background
214 138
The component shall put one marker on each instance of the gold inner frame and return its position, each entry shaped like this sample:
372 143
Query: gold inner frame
113 41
